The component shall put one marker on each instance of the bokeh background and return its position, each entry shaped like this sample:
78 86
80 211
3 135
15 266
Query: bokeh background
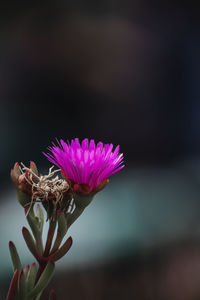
121 72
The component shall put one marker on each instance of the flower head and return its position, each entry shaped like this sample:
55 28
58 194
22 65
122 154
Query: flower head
86 164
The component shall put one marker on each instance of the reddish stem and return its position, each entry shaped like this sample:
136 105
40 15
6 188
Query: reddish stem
52 227
39 272
43 261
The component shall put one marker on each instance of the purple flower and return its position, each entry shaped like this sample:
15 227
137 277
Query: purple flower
86 163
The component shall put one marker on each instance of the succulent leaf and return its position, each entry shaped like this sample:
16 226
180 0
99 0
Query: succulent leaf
63 250
14 257
12 292
43 280
30 242
22 286
31 276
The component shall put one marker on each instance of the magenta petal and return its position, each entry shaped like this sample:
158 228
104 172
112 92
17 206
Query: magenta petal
85 162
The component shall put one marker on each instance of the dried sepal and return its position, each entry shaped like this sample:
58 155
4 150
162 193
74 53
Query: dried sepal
48 190
33 167
23 193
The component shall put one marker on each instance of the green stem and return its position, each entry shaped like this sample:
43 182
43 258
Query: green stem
51 231
39 244
76 213
61 231
40 271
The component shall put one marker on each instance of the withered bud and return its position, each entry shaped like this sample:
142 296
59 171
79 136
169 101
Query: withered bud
44 188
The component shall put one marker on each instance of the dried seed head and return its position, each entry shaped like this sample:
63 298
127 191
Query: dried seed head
43 188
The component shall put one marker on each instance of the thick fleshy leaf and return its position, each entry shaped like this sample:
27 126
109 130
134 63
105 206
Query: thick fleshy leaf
26 269
31 276
43 280
33 222
36 227
12 292
63 250
40 216
14 257
22 286
30 242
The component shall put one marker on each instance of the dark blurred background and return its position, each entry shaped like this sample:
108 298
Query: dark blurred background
121 72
